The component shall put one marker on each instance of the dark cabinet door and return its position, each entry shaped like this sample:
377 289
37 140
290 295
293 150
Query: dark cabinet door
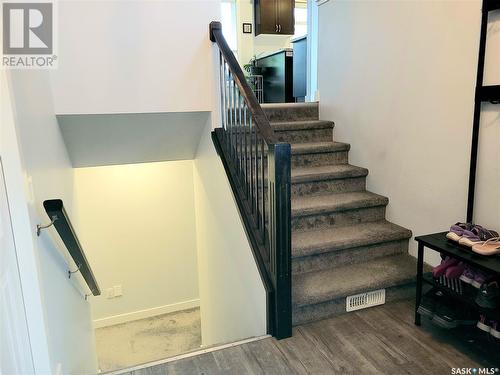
265 14
274 17
286 16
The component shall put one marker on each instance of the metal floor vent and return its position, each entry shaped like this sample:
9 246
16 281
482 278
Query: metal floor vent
364 300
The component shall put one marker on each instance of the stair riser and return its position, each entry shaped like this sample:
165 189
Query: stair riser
292 114
337 306
329 186
346 257
335 219
305 136
316 160
299 160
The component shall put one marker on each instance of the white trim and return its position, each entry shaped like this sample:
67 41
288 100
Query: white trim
23 228
141 314
187 355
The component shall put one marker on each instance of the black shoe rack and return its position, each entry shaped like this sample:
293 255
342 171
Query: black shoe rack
462 294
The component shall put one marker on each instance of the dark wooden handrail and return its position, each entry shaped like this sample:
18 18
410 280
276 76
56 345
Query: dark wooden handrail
57 213
256 111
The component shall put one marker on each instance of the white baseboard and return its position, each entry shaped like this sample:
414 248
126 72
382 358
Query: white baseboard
141 314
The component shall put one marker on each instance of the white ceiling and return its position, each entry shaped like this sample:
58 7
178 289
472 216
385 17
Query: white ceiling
110 139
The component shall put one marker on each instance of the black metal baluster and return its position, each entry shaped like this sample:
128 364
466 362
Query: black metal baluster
226 102
235 130
252 195
246 149
263 192
231 82
241 139
257 178
223 92
221 79
227 99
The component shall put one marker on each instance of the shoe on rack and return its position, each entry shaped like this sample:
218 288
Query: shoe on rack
495 329
479 279
457 231
489 247
449 315
476 236
468 275
454 272
488 296
429 301
482 324
441 269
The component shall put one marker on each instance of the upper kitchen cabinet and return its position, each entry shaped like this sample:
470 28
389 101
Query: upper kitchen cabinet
274 17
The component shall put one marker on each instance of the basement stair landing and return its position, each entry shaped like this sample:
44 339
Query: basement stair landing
341 242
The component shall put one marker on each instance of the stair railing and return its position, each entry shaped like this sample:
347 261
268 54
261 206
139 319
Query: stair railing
258 168
60 220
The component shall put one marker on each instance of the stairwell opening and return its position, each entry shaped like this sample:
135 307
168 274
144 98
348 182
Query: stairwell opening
168 250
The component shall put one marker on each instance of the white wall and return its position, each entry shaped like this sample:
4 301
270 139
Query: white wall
15 353
35 357
134 56
398 79
138 228
42 159
233 300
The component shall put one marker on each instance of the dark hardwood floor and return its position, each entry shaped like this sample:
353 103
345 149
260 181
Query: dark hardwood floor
379 340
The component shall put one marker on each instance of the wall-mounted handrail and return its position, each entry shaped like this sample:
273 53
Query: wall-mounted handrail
60 220
258 168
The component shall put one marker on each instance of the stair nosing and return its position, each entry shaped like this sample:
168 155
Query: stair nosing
371 200
301 125
401 234
318 147
328 175
289 105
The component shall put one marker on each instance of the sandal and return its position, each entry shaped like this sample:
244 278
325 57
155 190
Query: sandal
489 247
476 236
457 231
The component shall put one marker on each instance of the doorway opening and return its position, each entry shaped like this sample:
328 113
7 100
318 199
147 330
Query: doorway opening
280 63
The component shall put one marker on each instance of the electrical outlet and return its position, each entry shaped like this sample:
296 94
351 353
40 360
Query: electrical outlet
110 293
118 290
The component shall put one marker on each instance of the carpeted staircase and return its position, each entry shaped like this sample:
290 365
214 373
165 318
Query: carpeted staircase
341 243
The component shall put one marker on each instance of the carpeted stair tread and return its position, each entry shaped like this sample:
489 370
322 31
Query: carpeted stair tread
327 172
318 204
318 147
291 111
289 106
301 125
320 286
340 238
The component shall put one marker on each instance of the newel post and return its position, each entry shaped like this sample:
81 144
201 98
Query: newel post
280 232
